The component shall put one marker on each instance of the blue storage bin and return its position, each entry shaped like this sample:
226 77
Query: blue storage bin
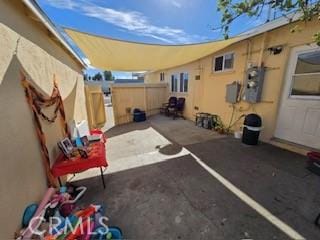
138 115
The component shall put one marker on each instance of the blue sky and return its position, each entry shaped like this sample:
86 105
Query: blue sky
151 21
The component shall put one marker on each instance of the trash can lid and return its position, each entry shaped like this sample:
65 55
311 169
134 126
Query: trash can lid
253 120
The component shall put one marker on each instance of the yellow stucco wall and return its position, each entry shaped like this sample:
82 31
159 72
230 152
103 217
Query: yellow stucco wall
22 179
209 92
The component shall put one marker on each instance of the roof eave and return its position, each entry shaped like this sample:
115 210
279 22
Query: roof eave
37 11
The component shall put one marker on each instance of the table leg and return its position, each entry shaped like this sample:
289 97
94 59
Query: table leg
317 221
102 177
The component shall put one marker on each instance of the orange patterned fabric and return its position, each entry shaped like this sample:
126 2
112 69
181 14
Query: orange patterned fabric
37 101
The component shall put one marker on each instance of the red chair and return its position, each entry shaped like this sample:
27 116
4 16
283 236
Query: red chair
96 159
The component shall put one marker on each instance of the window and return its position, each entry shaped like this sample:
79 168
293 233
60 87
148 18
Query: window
228 61
306 77
179 82
161 76
184 81
218 64
174 83
224 62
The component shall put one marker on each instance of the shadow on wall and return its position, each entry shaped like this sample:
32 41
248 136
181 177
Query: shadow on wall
13 15
40 65
54 130
22 165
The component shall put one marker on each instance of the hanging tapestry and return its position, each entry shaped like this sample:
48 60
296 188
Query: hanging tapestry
37 102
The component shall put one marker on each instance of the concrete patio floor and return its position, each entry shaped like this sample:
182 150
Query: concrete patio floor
172 180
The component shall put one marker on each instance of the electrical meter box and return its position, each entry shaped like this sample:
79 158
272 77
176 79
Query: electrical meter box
232 92
254 84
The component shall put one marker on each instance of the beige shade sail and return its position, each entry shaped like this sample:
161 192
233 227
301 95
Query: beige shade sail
111 54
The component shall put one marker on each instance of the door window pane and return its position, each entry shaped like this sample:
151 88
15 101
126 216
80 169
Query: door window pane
186 82
162 76
218 64
176 83
306 79
306 85
172 83
308 63
181 82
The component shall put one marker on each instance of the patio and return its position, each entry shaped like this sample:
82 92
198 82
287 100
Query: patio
171 180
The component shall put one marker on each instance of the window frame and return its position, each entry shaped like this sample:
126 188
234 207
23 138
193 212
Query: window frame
181 78
177 77
174 87
223 62
307 97
184 78
293 74
162 76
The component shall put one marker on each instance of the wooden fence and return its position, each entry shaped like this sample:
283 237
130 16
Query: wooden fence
95 106
147 97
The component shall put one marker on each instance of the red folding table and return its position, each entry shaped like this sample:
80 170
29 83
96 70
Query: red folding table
96 159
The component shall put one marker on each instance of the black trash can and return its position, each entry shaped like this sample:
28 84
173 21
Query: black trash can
251 129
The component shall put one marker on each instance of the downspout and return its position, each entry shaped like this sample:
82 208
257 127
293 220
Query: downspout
145 99
248 58
262 47
198 70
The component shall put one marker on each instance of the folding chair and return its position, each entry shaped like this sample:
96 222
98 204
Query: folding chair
177 110
170 104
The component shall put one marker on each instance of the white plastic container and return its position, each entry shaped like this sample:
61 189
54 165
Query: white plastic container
238 134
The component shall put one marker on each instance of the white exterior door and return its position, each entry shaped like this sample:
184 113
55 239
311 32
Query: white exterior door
299 115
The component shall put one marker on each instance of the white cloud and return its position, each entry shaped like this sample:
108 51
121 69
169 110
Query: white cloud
176 4
62 4
131 21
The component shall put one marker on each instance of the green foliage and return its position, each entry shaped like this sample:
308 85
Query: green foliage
316 38
232 9
107 76
97 77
